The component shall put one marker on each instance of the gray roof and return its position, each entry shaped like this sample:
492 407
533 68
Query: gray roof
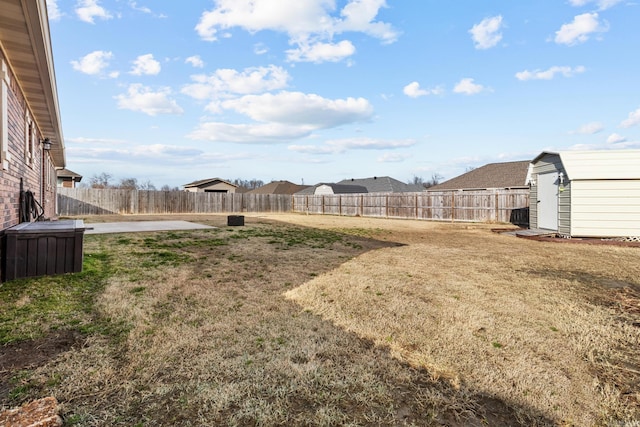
493 175
383 184
278 187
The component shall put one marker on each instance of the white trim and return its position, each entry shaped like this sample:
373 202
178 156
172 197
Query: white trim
4 116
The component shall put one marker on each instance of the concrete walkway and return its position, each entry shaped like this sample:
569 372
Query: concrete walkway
141 226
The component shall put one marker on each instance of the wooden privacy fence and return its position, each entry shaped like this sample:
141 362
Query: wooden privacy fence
468 206
463 206
91 201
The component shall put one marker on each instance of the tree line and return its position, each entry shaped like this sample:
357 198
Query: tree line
105 180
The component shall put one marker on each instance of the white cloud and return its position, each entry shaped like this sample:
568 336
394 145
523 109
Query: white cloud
248 133
283 117
413 90
145 65
487 33
589 129
297 108
85 140
549 73
337 146
393 158
360 16
87 10
195 61
228 81
93 63
580 29
53 10
312 149
148 155
466 86
143 99
602 4
614 138
143 9
632 120
321 52
370 143
310 24
260 49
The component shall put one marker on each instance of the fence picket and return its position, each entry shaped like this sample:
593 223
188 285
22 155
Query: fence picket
467 206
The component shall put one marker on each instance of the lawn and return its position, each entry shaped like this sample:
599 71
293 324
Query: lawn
309 320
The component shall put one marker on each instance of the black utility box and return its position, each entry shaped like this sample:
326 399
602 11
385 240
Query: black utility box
42 248
235 220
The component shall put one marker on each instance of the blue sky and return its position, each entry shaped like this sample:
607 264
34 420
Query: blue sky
322 90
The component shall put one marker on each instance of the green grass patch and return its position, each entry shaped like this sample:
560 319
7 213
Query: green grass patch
29 308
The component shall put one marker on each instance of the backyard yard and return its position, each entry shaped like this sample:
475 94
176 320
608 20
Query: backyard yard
327 320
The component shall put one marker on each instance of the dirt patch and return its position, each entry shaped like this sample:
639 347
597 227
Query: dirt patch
32 354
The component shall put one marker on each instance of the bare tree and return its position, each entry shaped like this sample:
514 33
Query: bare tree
100 181
128 184
167 187
146 185
416 180
434 180
249 184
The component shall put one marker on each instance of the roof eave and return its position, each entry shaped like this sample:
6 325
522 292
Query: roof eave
41 94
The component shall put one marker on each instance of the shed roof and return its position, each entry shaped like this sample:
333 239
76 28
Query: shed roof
278 187
492 175
382 184
598 164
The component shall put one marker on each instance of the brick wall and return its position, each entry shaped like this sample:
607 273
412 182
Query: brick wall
17 163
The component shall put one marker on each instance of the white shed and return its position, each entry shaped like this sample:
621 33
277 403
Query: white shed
586 193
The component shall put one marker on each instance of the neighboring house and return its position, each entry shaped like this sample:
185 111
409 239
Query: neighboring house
328 189
31 142
211 185
67 178
383 184
278 187
508 175
586 193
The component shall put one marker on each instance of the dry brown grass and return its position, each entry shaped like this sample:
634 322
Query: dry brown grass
369 322
542 325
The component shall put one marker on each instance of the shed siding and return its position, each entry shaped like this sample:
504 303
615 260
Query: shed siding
565 214
606 208
546 164
533 207
324 190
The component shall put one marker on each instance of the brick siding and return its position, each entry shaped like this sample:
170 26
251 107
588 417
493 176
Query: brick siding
32 173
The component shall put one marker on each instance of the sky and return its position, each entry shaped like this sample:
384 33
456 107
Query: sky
170 92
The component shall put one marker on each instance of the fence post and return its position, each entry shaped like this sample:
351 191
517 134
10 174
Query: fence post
453 206
386 206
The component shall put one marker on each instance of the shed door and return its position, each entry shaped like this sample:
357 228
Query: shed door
548 201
